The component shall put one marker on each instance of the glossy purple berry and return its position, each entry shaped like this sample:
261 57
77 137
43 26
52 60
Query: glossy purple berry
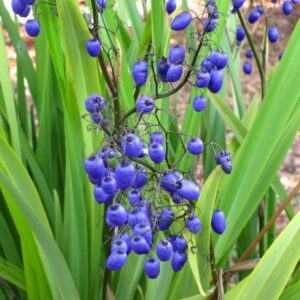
249 54
216 81
140 177
125 236
93 47
144 104
102 4
218 221
176 55
207 65
181 21
131 145
137 216
139 245
152 268
240 34
174 73
125 174
168 182
32 28
287 8
116 215
156 137
253 16
188 189
295 2
162 69
25 13
222 156
101 196
133 196
157 153
165 219
109 185
273 34
237 3
176 198
18 6
179 243
247 68
261 9
218 59
94 103
28 2
193 224
94 166
116 260
119 244
164 250
199 103
144 230
140 72
210 25
195 146
202 78
170 6
178 260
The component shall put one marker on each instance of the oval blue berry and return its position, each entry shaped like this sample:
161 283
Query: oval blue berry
181 21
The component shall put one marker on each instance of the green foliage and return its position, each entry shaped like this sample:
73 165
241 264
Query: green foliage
53 234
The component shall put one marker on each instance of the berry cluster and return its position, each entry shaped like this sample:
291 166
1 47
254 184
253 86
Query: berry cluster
145 193
254 16
23 8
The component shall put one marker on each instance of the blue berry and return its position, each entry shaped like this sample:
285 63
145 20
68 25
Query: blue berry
237 4
18 6
287 8
25 13
116 260
216 81
152 268
157 153
165 219
195 146
273 34
249 54
162 69
102 4
199 103
144 230
28 2
109 185
137 216
207 65
156 137
247 68
139 245
210 25
174 73
140 177
134 196
94 166
168 182
170 6
131 145
218 59
32 28
176 198
188 190
116 215
202 78
181 21
125 174
164 250
178 260
179 243
193 224
261 9
140 72
176 55
119 244
144 104
125 236
295 2
94 103
101 196
218 221
93 47
253 16
240 34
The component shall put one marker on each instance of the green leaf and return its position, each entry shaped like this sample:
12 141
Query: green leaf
270 276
